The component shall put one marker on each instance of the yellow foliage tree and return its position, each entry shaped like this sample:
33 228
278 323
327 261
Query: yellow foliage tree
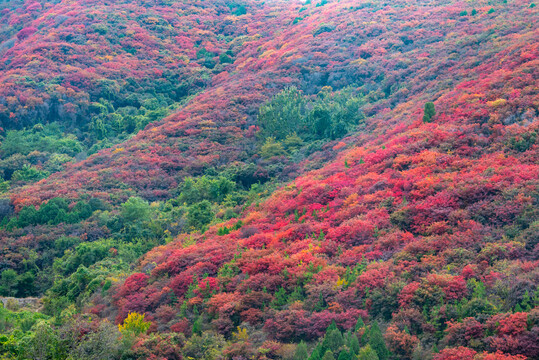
241 334
134 323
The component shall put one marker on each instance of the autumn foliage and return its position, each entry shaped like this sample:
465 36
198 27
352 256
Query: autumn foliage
425 225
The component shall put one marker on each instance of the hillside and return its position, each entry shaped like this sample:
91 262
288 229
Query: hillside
270 180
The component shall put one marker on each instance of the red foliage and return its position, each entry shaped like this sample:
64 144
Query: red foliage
400 342
460 353
132 285
513 324
26 32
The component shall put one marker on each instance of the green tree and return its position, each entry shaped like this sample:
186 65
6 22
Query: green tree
367 353
292 142
9 282
301 352
197 326
103 344
199 215
359 324
333 340
82 209
205 188
240 10
428 112
220 188
344 355
315 355
296 295
339 128
283 115
377 343
280 299
272 148
208 346
98 126
328 356
526 302
26 285
29 173
353 343
43 343
135 209
321 120
53 212
224 58
190 191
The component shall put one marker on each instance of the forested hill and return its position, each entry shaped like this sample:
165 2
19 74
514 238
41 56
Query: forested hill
270 180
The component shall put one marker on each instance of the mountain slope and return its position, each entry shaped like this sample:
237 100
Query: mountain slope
423 224
401 227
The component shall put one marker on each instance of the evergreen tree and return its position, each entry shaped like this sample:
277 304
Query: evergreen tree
429 112
328 356
301 352
197 326
344 355
376 341
359 324
321 304
353 343
296 295
315 355
280 299
331 327
333 340
526 301
367 353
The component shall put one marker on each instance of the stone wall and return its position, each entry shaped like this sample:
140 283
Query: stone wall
12 303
